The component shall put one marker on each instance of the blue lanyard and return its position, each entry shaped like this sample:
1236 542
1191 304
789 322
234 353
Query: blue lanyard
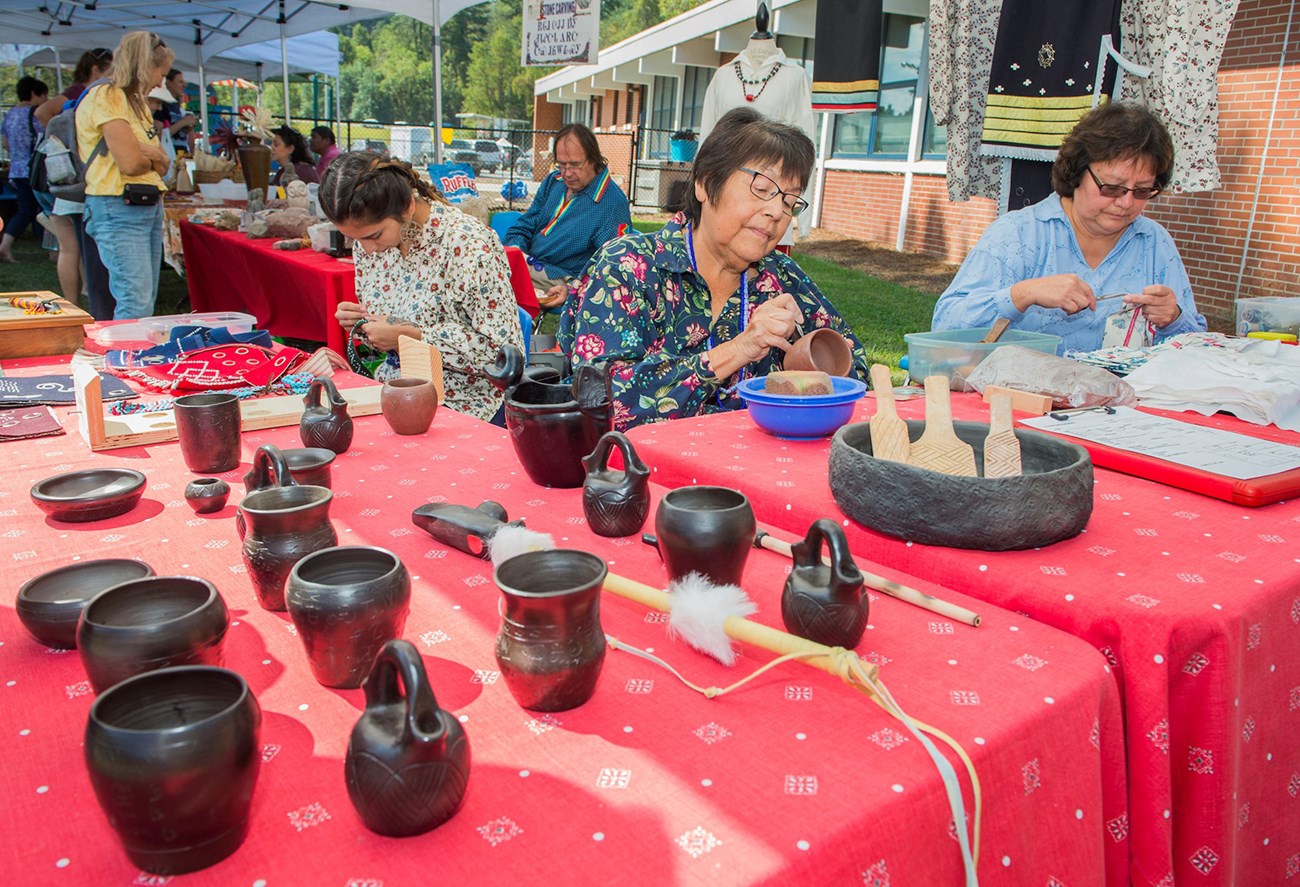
744 293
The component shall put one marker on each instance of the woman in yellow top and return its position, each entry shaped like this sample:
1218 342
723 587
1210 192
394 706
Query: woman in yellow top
125 162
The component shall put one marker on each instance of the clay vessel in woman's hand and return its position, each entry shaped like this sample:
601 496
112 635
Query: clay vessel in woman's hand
822 349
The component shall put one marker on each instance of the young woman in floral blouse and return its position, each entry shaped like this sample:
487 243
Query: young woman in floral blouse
424 269
682 315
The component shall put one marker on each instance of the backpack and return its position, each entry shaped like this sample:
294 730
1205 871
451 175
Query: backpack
57 163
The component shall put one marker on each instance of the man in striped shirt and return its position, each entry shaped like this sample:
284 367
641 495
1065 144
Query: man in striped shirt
578 208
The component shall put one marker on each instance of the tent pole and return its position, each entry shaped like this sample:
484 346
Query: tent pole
437 82
284 67
203 102
58 70
338 102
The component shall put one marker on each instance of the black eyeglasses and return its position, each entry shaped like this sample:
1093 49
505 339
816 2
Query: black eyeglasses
101 55
158 42
762 187
1116 191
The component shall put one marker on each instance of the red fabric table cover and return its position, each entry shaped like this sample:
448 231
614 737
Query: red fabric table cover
793 779
1194 602
290 293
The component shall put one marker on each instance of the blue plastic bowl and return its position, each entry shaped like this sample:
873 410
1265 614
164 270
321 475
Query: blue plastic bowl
802 418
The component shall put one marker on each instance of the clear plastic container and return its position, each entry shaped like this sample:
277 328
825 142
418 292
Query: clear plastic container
956 353
158 329
1268 314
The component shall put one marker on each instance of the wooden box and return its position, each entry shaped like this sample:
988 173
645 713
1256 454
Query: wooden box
40 335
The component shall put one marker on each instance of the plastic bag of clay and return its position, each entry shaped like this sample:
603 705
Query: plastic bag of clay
1068 383
320 236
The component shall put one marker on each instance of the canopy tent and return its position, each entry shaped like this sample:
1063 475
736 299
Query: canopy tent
200 30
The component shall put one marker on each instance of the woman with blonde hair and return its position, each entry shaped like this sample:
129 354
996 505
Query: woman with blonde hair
125 163
426 270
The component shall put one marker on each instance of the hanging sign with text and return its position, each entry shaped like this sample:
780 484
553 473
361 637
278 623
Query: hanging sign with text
561 32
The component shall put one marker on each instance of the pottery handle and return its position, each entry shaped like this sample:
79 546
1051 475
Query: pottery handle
332 392
312 397
400 658
269 464
632 464
652 539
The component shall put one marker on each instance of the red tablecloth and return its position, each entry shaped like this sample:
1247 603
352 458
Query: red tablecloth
793 779
1194 602
290 293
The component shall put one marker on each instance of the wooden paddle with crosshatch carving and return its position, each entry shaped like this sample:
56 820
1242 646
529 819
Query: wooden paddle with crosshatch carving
888 432
1001 447
939 448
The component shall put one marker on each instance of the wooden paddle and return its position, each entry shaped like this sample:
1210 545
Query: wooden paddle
888 432
995 332
1001 447
939 448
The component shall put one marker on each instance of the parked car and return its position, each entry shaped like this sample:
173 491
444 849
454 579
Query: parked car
517 161
462 151
375 145
489 154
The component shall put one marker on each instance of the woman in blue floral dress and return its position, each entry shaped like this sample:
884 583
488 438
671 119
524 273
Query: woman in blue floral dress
681 316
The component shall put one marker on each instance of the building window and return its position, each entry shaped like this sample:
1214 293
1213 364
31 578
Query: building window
886 132
663 108
695 84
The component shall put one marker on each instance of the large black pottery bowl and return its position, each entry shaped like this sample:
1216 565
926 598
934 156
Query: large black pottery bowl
50 604
95 494
1050 501
151 623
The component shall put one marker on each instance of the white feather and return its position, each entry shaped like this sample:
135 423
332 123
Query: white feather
700 611
508 542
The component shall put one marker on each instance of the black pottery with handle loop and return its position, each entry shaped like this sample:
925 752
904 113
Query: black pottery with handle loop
325 425
407 764
615 502
826 604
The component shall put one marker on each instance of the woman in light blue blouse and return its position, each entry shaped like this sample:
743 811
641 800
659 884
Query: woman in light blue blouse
1046 266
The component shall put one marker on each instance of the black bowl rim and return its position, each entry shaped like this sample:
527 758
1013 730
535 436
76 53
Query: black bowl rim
94 720
1080 453
39 495
104 626
322 553
546 554
24 591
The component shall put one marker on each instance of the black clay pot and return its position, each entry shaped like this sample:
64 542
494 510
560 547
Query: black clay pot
550 646
308 466
50 604
407 765
614 502
151 623
89 495
207 495
325 425
281 525
705 530
552 426
826 604
1051 500
173 757
347 602
207 426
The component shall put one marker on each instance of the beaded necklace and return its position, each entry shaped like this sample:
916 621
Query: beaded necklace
744 293
748 84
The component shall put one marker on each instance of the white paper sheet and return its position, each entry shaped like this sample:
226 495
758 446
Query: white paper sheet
1210 449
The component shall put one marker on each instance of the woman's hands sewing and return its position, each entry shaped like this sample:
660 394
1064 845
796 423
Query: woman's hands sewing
1159 304
1065 291
380 332
771 325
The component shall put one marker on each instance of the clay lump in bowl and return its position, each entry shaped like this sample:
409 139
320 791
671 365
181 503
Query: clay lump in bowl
802 416
1050 501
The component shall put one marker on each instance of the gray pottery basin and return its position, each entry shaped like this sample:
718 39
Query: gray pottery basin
1050 501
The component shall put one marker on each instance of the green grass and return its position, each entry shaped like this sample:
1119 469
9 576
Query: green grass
35 270
878 311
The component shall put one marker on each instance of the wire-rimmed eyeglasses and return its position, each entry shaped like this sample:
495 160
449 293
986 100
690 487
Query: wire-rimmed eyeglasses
762 187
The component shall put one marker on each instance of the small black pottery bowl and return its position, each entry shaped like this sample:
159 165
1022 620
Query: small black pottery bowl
95 494
50 604
1051 500
151 623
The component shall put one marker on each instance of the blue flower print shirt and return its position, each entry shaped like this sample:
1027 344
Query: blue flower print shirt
1038 241
642 309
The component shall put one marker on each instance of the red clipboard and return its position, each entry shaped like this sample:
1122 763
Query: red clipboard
1252 492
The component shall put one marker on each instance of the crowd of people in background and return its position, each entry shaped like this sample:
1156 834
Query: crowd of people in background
677 316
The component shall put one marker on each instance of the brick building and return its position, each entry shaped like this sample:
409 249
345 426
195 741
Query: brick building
880 175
